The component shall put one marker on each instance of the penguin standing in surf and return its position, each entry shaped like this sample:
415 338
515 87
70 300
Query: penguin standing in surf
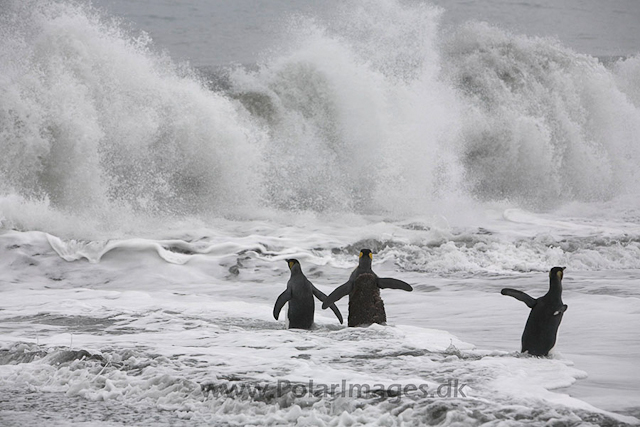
363 287
299 294
541 330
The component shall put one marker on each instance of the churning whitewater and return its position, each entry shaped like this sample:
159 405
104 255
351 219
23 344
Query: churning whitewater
147 208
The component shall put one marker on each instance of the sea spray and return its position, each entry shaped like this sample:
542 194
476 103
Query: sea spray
347 137
358 117
94 121
543 124
99 131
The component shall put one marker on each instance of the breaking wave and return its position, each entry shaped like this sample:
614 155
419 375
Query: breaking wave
379 111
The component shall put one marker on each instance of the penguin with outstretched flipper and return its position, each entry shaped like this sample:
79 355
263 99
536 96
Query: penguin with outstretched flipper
299 294
541 330
365 304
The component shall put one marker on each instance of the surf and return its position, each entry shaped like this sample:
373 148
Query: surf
101 128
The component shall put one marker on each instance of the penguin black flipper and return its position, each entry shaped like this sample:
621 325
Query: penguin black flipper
519 295
389 283
338 293
280 302
322 297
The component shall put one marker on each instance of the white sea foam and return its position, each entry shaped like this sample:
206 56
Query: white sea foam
145 220
190 339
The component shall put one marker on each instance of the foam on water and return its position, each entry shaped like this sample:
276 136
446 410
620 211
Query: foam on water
176 337
146 210
161 349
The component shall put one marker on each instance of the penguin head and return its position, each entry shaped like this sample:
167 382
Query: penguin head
556 273
292 263
366 253
365 259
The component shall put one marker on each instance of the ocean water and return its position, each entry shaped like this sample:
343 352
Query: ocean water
160 161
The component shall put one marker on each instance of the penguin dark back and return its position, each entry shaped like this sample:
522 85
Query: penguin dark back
367 294
365 305
299 294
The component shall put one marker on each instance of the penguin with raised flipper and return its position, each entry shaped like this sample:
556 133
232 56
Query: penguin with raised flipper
363 287
541 330
299 294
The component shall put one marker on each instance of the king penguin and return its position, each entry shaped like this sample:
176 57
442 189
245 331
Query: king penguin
540 332
363 288
299 294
